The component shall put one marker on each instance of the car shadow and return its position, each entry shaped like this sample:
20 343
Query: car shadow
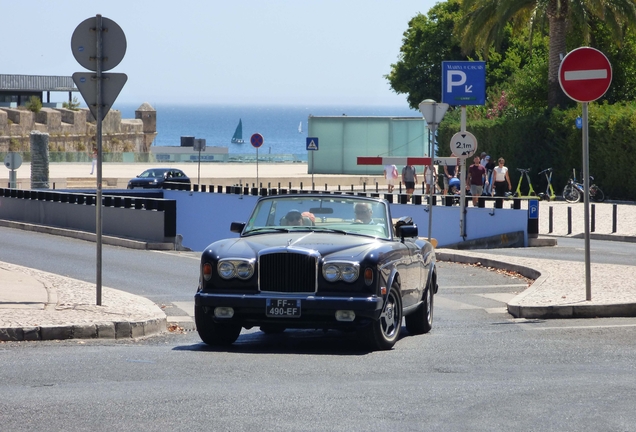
309 342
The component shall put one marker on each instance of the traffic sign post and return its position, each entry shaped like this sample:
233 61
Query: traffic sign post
311 145
257 141
98 44
585 74
13 161
199 145
433 114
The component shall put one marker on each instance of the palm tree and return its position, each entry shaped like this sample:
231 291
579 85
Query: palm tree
485 21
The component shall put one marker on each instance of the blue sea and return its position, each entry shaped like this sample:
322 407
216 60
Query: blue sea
279 124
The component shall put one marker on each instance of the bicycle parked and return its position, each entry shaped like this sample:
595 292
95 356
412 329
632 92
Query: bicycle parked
574 191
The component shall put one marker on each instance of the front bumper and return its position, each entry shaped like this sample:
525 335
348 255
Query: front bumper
316 311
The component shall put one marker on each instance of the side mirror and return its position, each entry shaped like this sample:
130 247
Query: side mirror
237 227
407 231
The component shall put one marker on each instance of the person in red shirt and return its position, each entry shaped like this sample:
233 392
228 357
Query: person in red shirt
476 179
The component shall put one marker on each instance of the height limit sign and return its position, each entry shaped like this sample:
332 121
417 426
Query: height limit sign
463 144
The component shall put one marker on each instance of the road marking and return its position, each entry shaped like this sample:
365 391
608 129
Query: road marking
187 307
519 285
497 310
500 297
190 255
582 327
452 304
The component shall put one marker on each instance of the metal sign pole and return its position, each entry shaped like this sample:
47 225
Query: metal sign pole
586 203
462 199
98 200
431 150
257 185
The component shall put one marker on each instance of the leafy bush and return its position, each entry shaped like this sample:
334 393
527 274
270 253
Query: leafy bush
540 140
72 105
34 104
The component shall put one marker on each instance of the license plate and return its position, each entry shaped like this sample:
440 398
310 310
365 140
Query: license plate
282 308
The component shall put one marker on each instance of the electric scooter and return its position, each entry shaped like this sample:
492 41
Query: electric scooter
549 191
531 192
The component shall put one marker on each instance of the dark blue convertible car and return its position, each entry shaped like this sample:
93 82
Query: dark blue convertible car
318 262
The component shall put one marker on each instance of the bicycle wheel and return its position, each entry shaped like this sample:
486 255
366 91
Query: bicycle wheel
596 194
571 194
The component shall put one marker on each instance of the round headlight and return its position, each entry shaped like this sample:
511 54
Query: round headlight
331 272
349 273
226 269
244 270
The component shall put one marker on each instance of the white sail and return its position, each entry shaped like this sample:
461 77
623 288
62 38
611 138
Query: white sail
300 127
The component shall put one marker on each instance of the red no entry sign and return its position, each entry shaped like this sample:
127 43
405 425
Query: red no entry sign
585 74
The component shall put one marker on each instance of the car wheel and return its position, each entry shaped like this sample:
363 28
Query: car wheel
213 333
384 333
272 329
421 321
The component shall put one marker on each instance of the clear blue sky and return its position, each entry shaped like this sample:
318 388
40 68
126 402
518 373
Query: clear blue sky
224 52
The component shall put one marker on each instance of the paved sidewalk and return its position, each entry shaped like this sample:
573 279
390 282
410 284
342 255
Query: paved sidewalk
36 305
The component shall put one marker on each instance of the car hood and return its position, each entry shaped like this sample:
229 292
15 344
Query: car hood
345 246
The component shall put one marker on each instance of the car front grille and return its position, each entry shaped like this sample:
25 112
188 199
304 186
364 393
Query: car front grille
287 272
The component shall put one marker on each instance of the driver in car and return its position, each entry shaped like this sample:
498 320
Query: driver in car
363 214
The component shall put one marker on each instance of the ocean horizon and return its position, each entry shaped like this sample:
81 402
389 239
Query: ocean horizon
284 127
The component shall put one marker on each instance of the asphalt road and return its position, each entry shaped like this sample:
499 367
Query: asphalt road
478 369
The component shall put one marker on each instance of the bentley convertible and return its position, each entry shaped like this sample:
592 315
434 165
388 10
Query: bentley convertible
318 261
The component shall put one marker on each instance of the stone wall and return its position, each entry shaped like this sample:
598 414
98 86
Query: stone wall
73 131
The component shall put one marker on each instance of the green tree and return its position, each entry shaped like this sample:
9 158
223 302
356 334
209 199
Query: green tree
485 24
427 42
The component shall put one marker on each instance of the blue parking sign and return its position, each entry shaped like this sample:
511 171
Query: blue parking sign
464 82
533 209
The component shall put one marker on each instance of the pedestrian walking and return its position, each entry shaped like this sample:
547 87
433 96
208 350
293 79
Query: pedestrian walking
450 172
94 162
476 179
430 177
409 178
501 178
390 174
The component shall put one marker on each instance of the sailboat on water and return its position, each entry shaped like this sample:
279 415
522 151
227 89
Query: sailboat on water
237 138
300 127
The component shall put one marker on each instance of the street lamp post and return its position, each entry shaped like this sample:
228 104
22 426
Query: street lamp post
433 114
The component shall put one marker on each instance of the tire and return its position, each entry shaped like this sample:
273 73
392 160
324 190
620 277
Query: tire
571 194
421 321
385 332
212 333
596 194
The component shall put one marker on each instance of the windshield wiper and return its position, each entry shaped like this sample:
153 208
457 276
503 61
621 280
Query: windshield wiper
265 229
314 228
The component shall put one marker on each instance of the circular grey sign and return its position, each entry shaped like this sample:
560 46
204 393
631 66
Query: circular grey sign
84 43
13 161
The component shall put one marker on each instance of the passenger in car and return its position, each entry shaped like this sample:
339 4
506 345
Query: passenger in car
292 218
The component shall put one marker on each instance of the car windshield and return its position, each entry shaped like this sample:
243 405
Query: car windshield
335 214
152 173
